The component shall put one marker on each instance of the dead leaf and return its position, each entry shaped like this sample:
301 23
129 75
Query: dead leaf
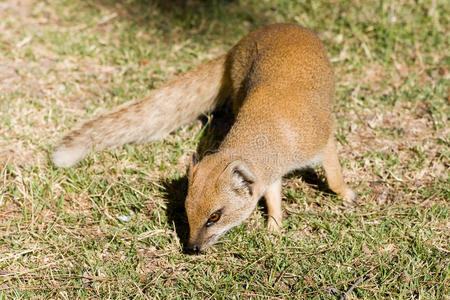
366 250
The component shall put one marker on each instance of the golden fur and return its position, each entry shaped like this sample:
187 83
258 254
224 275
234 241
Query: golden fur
281 85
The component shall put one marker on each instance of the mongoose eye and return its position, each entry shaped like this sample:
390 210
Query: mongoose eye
213 218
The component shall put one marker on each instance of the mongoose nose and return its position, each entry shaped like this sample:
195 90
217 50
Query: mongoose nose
193 248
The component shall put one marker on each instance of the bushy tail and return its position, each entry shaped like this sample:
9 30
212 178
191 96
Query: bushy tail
165 109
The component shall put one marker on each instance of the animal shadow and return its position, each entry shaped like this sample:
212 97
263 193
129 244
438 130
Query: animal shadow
175 193
310 176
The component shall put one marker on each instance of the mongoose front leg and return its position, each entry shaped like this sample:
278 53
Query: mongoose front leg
333 172
273 201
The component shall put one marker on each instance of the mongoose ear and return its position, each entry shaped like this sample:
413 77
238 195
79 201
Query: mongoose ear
192 165
243 178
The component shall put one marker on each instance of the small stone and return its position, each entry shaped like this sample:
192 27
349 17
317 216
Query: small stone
124 218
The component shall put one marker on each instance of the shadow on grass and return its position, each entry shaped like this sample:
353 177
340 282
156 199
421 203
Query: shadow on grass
217 127
310 176
196 18
175 193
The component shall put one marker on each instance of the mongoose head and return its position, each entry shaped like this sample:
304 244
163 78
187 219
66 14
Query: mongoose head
221 194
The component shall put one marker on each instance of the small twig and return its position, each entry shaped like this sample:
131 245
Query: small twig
106 19
351 288
23 42
252 263
17 255
281 275
260 295
16 274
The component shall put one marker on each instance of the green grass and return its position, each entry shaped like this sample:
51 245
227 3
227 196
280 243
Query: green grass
62 62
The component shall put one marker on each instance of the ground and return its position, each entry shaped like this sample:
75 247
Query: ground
114 226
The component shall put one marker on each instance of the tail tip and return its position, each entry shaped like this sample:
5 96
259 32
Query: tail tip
68 157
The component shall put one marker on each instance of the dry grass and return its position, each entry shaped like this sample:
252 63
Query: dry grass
62 62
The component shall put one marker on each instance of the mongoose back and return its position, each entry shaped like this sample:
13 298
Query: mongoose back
281 85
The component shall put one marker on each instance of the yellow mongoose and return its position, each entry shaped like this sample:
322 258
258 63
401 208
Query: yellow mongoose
281 85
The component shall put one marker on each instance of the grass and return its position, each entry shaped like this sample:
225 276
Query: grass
62 62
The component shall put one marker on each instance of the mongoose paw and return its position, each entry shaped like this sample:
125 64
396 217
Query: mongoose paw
273 225
349 197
